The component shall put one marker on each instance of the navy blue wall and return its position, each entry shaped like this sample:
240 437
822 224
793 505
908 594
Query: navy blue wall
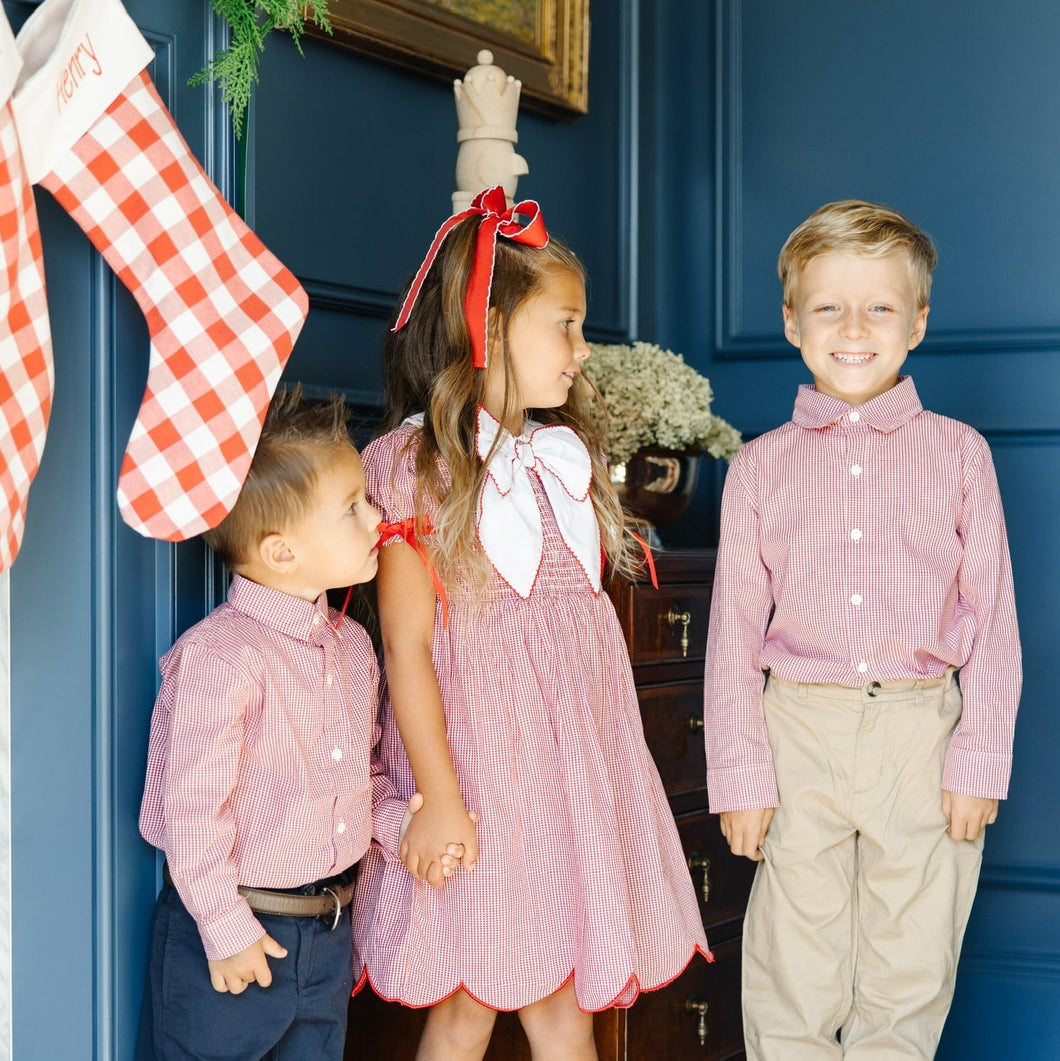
947 111
714 128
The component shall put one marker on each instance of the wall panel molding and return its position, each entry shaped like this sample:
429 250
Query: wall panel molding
109 433
1015 877
1010 965
349 298
733 340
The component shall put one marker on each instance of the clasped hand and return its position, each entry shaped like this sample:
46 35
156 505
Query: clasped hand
437 836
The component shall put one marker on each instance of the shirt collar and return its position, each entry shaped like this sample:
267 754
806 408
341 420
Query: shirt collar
297 618
886 412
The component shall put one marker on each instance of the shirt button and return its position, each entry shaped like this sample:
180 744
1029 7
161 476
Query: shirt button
336 754
331 679
340 828
855 599
856 470
862 667
855 416
856 534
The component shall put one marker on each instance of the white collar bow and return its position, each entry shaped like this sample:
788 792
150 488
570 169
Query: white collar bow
509 521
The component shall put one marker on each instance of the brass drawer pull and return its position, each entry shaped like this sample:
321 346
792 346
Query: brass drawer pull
700 1008
684 618
695 723
696 861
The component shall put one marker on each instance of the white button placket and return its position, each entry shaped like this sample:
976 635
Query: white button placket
332 728
855 487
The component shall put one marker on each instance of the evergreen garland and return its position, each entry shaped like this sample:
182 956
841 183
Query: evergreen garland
250 22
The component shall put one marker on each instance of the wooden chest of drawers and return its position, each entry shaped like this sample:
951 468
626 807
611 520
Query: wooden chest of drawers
696 1018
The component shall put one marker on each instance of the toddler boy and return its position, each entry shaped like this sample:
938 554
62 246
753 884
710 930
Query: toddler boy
258 782
862 565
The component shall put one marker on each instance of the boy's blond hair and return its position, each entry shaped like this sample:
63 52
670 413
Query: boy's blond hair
298 438
862 230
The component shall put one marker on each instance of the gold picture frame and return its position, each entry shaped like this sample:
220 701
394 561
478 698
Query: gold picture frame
543 43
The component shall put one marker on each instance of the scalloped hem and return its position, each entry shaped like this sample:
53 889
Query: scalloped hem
632 983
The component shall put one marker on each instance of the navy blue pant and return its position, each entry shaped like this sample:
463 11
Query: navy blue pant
300 1016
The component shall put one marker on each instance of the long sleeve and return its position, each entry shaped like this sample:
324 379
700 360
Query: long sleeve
739 762
979 760
388 808
207 701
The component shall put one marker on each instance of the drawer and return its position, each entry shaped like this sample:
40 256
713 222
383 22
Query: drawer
722 879
668 624
696 1018
673 727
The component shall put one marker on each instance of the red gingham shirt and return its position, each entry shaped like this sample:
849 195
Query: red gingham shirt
861 544
258 763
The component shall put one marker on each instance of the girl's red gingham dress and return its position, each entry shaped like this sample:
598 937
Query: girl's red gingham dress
580 869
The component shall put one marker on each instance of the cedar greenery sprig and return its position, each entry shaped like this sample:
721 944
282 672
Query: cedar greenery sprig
250 22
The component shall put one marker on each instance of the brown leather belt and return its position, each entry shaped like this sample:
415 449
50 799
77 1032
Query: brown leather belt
326 902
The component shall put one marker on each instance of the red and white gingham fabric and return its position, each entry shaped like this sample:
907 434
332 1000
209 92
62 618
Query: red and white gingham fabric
222 311
857 545
26 372
580 867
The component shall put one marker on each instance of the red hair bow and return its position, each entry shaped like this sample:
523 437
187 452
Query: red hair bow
406 530
497 220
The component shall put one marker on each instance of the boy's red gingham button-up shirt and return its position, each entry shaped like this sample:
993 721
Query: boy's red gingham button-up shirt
258 763
861 544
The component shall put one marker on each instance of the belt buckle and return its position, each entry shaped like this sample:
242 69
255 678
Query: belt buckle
333 918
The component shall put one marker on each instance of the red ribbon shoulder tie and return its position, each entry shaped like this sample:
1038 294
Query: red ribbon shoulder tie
648 558
406 530
497 220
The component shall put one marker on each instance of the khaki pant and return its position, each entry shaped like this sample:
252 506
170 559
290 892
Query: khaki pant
858 910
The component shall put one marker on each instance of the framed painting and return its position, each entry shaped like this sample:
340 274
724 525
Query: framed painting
543 43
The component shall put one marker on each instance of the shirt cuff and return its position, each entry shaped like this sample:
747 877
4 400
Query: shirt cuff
972 774
387 815
231 932
751 787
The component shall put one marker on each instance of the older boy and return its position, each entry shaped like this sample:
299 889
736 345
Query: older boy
258 786
862 564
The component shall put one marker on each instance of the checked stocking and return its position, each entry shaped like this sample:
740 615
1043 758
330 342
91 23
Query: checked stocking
26 375
223 313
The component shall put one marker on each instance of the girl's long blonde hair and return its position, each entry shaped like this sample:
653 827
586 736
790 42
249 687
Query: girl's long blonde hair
427 368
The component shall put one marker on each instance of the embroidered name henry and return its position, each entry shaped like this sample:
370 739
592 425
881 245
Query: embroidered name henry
80 65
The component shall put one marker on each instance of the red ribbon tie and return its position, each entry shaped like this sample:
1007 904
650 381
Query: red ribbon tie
497 220
411 531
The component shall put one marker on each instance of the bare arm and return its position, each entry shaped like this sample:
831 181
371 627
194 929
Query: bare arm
407 604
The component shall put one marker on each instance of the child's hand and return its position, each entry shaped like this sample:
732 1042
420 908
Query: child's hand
423 847
453 852
745 830
967 816
247 967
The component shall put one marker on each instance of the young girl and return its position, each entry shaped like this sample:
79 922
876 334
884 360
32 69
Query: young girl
511 704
